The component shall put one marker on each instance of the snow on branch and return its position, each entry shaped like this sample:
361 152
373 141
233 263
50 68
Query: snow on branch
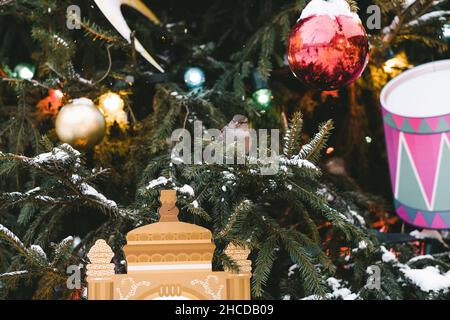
311 151
157 182
12 238
33 195
89 191
34 254
412 12
428 17
162 181
71 181
13 274
61 154
296 161
428 279
339 291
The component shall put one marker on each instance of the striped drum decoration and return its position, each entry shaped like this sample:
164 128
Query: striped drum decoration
416 115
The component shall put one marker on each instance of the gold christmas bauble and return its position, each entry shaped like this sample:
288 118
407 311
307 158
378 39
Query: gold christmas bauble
80 124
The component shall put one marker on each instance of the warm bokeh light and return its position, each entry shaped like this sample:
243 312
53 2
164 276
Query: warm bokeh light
396 65
113 107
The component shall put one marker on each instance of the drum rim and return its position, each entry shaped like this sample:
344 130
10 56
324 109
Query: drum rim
405 76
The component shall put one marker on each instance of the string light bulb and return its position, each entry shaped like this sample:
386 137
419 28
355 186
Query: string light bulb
24 71
113 107
194 78
262 95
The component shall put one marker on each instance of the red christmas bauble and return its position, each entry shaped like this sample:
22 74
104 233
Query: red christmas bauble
328 52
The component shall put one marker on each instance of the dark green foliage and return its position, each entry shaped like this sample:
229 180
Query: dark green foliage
295 221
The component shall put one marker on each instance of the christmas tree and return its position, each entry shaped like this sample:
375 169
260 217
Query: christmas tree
93 108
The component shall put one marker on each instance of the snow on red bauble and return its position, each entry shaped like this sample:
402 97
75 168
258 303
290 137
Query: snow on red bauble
328 47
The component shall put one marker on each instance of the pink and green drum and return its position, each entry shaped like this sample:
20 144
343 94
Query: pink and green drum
416 114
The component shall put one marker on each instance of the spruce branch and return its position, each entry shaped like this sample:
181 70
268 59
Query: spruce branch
64 165
311 151
353 5
13 240
405 15
293 135
263 265
238 213
96 33
50 274
279 20
310 276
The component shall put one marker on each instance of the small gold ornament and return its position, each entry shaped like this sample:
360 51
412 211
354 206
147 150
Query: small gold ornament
112 106
80 124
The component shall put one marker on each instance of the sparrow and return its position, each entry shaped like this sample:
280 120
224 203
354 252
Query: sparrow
237 127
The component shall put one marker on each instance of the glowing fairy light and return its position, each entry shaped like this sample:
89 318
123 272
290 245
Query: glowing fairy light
113 107
24 71
263 97
194 78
